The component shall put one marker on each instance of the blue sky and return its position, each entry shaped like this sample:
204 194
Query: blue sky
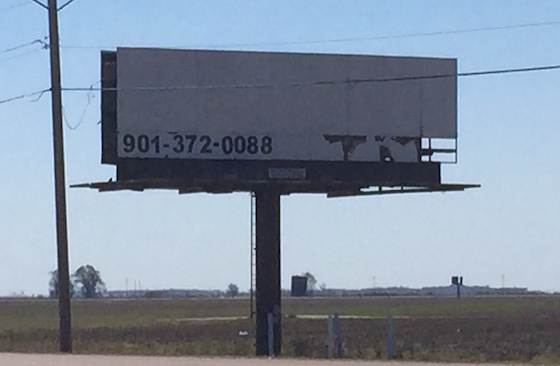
508 141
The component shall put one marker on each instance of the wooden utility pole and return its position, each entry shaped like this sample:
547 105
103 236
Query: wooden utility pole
65 320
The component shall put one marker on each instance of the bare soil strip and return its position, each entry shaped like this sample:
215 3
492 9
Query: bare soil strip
95 360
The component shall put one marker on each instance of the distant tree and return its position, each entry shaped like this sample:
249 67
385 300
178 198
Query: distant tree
88 281
323 287
232 290
311 281
53 285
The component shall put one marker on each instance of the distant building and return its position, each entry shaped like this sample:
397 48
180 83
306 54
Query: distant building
299 286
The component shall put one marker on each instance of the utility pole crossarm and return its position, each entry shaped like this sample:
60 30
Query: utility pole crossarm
40 4
65 5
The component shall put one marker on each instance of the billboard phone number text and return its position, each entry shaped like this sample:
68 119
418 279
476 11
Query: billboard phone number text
175 145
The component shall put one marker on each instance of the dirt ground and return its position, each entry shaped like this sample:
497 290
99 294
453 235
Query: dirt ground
13 359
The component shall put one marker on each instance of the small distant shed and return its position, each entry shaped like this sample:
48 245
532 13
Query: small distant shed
299 286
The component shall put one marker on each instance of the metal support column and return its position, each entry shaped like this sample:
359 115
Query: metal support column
268 269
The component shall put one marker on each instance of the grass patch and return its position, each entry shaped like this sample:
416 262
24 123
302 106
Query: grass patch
524 329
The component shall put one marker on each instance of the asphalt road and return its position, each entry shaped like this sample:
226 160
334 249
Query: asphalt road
95 360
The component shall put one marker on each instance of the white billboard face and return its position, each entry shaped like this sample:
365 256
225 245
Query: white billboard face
185 104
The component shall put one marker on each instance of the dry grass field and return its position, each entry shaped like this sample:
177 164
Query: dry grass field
484 329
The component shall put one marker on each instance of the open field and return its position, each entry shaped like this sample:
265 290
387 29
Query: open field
484 329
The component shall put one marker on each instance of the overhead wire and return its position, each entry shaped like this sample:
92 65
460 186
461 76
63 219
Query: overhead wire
461 74
20 4
90 97
353 39
326 82
5 59
41 41
91 88
394 36
39 95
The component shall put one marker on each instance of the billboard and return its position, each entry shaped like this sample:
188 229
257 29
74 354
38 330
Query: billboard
263 106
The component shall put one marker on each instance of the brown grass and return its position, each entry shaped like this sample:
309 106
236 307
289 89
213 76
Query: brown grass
428 329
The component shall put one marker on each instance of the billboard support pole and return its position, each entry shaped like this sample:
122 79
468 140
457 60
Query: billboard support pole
268 288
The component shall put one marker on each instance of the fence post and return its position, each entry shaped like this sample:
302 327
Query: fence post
330 337
338 335
390 337
270 320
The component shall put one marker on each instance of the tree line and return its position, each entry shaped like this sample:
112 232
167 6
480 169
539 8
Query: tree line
85 282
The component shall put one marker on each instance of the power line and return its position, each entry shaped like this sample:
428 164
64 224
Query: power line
41 41
8 8
458 31
90 97
461 74
39 93
20 55
330 82
511 71
355 39
395 36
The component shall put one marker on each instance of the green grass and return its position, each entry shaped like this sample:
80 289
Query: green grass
519 329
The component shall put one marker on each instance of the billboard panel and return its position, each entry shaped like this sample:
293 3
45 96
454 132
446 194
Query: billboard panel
223 105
